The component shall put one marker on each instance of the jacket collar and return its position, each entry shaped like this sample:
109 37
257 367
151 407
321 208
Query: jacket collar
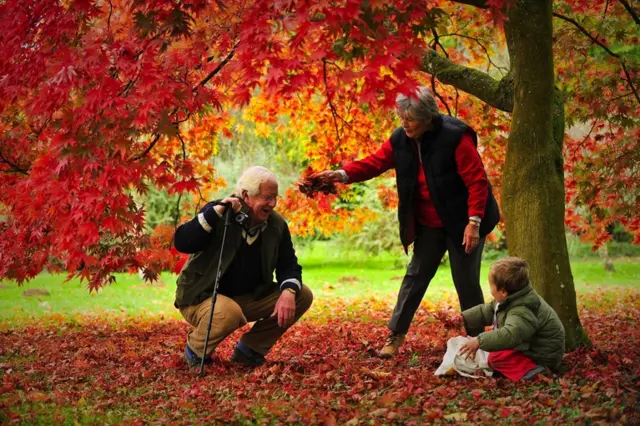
430 135
518 298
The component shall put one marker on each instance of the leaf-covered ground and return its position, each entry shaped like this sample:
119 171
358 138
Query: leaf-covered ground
130 371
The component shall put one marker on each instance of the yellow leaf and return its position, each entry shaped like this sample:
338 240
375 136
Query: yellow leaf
458 417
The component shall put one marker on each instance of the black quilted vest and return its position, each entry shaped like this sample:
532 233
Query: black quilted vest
446 188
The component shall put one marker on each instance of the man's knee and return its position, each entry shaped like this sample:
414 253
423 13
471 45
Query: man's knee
304 299
228 315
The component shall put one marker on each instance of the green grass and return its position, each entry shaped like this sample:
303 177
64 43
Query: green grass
128 294
329 273
355 275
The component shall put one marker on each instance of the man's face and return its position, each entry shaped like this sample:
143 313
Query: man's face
412 127
262 204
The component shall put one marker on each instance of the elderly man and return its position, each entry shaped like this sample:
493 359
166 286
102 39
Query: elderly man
253 250
445 203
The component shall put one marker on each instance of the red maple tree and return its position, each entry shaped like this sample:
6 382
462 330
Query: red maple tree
100 100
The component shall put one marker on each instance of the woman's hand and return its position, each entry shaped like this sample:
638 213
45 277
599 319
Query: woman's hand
471 237
327 176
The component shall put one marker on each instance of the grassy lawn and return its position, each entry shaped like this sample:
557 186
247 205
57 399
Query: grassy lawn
350 276
355 275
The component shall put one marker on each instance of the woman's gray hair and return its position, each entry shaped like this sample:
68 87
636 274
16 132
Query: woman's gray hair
251 179
422 107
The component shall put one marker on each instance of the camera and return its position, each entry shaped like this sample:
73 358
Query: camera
241 217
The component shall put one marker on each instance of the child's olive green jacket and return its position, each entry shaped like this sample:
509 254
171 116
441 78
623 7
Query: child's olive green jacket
526 323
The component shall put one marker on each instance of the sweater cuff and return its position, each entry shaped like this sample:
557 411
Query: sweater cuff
208 218
473 321
345 176
481 337
291 283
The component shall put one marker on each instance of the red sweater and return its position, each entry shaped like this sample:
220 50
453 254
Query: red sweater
469 166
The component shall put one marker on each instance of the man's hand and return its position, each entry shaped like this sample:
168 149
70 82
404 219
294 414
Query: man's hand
235 205
285 309
470 348
471 236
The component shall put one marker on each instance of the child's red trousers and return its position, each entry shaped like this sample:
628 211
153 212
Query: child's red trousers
512 364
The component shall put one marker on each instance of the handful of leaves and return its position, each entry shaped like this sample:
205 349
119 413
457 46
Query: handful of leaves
311 184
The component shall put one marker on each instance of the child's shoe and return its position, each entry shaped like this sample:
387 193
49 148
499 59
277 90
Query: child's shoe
538 369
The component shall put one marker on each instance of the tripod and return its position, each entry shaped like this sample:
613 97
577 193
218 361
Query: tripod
227 221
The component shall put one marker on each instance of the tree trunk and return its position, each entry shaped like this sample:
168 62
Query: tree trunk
608 264
533 182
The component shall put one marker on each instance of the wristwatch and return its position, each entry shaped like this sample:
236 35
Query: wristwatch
290 290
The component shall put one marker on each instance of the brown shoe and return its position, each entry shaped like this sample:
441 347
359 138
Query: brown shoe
391 345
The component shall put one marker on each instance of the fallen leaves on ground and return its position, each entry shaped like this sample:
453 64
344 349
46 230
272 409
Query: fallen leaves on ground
324 371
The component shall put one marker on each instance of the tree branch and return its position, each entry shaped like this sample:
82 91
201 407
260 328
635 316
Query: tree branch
434 46
14 168
482 4
110 13
217 69
585 139
436 43
334 112
604 12
202 83
631 11
439 96
176 218
482 46
38 132
586 33
497 93
149 148
185 119
633 89
605 48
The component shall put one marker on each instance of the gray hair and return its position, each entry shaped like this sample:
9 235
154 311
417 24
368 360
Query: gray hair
252 178
422 107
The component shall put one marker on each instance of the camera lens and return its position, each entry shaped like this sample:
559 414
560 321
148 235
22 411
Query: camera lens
240 218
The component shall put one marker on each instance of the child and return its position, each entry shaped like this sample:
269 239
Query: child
527 335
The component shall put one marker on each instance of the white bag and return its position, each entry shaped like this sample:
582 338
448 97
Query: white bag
454 363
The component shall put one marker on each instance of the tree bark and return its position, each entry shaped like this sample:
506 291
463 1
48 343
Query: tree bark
497 93
533 180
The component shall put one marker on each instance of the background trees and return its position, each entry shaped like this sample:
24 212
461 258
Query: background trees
102 100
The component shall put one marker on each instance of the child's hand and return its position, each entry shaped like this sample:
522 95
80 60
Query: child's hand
470 348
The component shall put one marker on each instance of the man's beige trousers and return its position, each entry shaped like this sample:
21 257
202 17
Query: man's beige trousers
230 314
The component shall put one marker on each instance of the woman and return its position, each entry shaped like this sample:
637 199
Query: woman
445 203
